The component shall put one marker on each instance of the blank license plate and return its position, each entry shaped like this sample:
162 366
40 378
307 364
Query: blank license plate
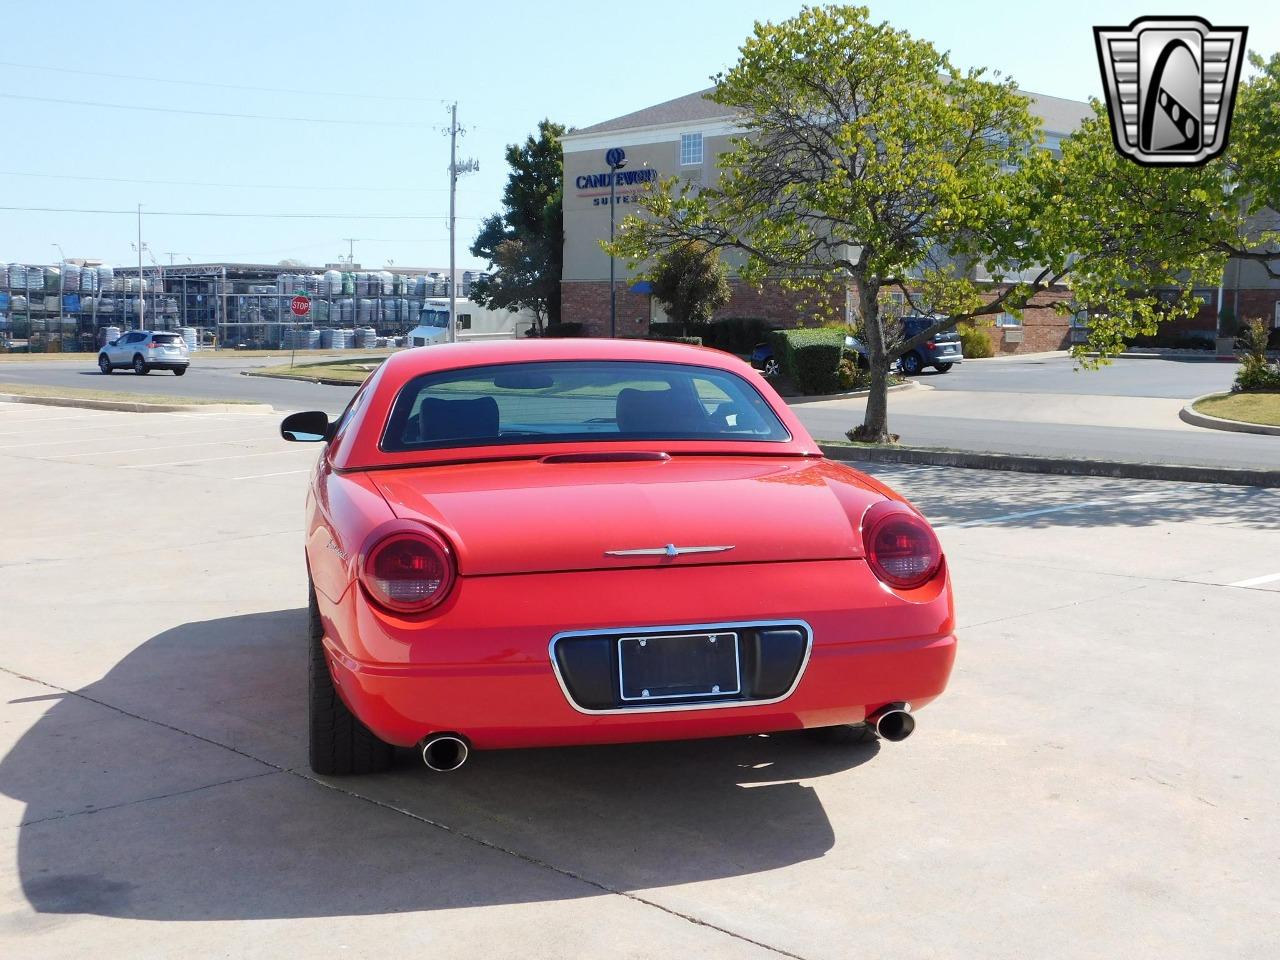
679 665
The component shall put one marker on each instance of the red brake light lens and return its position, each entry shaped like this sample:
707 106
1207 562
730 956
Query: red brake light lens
409 572
902 549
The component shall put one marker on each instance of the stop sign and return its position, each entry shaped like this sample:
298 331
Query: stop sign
300 306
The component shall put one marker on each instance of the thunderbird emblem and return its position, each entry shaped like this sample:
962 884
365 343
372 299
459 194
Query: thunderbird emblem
1170 84
670 550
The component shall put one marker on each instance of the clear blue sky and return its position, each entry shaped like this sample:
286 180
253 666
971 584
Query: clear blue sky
508 64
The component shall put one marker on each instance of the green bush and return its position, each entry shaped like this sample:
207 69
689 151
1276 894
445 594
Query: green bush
564 330
738 334
975 343
811 358
696 341
1256 374
663 330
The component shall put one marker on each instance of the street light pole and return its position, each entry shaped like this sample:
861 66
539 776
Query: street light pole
142 299
453 189
616 160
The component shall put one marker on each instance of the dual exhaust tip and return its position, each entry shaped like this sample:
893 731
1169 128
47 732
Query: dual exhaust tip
893 722
445 752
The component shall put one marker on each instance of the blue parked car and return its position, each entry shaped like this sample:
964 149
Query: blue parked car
942 352
762 357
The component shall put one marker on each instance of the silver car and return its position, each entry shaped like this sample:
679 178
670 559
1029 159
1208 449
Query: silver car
143 351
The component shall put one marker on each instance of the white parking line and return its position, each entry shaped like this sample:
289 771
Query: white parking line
179 463
153 447
1256 581
283 473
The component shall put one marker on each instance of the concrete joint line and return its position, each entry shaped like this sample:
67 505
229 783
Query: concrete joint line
479 841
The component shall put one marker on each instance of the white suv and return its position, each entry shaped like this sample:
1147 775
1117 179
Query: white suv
144 351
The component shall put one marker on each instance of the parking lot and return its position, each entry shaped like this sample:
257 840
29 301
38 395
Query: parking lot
1100 779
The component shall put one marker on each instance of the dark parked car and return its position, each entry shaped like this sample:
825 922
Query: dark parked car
942 352
762 357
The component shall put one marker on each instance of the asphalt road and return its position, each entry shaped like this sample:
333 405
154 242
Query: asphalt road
1098 781
1179 379
221 379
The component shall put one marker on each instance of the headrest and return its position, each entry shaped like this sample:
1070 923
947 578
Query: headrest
662 412
457 419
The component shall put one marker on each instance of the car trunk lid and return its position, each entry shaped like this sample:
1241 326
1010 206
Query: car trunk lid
526 516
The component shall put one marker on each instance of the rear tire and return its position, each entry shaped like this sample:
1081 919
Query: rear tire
912 364
140 366
848 733
339 744
104 364
771 367
179 371
943 367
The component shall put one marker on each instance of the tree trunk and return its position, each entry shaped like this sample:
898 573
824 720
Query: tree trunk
875 422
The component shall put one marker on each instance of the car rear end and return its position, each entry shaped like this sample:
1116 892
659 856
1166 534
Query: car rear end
944 348
166 351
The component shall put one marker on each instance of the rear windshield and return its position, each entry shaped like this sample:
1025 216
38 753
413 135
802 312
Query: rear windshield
164 337
577 400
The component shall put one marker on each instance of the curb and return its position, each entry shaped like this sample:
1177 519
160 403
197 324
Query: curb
128 406
1061 466
1189 414
325 381
855 394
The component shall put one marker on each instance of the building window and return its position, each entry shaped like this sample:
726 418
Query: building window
1007 319
464 321
690 149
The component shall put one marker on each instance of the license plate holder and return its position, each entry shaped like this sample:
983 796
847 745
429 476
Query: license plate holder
677 666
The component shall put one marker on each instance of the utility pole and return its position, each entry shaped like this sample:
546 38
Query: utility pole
467 166
351 250
142 299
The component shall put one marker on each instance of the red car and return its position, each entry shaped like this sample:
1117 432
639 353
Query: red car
548 542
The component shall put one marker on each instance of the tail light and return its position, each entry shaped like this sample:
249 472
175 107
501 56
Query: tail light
902 549
931 345
408 571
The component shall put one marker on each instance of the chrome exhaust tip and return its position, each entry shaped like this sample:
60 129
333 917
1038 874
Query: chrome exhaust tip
444 752
893 722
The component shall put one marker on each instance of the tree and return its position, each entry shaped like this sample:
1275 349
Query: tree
291 264
690 282
524 244
868 159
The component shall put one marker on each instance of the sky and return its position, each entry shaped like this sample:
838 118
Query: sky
359 98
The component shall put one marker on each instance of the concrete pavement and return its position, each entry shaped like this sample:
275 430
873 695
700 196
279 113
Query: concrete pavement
1072 795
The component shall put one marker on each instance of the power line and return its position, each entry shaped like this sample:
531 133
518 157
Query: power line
217 86
214 113
259 216
238 186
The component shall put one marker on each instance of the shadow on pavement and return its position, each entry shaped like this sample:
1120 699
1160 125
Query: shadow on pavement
1021 500
205 810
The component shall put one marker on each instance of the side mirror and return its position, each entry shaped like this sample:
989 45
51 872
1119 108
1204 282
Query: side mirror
310 426
114 343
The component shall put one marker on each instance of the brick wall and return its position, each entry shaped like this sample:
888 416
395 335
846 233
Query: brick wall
587 302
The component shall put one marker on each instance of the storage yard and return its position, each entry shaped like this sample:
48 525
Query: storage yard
78 305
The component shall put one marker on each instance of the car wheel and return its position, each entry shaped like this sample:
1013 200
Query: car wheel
140 366
911 364
179 371
771 367
339 743
943 367
104 364
844 734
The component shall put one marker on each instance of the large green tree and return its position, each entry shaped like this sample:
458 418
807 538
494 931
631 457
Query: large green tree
866 157
524 244
690 282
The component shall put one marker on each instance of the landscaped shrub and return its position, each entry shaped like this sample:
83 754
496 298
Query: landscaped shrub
696 341
811 358
1255 373
737 334
974 342
564 330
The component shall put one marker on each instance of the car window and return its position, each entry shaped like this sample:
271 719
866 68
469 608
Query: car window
577 401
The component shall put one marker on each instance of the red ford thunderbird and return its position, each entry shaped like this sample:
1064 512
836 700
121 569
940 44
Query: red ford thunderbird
552 542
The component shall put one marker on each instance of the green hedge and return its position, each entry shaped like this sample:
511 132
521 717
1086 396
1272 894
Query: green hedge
974 342
731 334
696 341
563 330
811 358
